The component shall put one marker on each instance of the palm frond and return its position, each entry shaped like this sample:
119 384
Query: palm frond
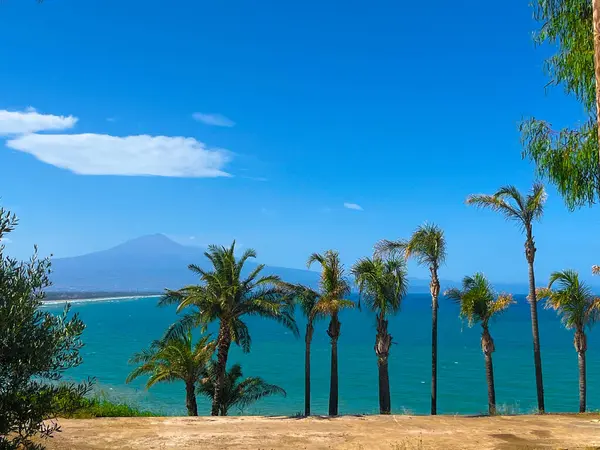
513 205
382 283
303 296
171 359
572 300
427 245
385 248
477 300
183 326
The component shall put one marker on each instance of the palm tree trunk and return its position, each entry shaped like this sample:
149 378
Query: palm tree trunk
383 342
190 398
223 344
596 31
334 333
582 381
489 373
307 339
581 347
537 357
487 345
435 291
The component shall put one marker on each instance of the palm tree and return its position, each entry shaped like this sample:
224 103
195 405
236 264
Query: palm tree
382 284
306 298
578 309
333 287
236 392
479 304
428 246
225 296
524 210
175 359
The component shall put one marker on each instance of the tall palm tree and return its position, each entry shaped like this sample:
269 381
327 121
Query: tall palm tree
175 359
236 392
382 284
524 210
224 295
578 309
428 246
479 304
333 287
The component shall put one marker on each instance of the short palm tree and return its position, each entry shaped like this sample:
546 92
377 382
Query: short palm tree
236 391
333 287
428 246
578 309
479 304
524 210
175 359
382 284
227 297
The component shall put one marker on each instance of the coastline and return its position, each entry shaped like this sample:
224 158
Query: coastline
95 299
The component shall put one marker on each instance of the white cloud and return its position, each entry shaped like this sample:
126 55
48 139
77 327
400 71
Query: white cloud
353 206
5 241
216 120
111 119
101 154
30 121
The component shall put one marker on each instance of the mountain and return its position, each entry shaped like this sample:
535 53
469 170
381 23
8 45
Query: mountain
146 264
155 262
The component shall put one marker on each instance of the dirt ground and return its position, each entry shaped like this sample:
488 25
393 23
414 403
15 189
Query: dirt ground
348 432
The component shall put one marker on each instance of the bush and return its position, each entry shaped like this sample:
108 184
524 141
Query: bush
100 406
36 347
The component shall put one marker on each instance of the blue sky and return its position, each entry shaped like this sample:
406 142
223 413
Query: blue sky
402 108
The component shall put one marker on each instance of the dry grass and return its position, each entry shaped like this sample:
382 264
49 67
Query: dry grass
350 432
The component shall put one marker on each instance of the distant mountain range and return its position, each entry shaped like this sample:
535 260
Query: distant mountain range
155 262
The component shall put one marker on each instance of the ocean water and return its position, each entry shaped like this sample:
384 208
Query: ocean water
118 328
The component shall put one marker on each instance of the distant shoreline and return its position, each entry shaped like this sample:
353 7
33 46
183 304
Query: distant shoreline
96 299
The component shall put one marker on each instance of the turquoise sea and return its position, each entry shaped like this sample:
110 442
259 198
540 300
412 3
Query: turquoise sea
118 328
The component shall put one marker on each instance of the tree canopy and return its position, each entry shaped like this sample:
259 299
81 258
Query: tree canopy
567 157
36 347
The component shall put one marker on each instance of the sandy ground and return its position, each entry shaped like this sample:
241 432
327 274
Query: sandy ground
349 432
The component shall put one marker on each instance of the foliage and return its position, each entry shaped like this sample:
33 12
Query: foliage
478 301
173 359
573 300
36 348
382 283
305 297
98 406
567 157
427 245
513 205
237 392
225 296
333 286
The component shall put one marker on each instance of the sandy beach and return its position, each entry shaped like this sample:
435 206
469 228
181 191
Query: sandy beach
348 432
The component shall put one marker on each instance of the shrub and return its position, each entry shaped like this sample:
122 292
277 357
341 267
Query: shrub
36 347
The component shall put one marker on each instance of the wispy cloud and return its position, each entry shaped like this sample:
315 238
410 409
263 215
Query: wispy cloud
5 240
268 212
111 119
353 206
101 154
30 121
217 120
